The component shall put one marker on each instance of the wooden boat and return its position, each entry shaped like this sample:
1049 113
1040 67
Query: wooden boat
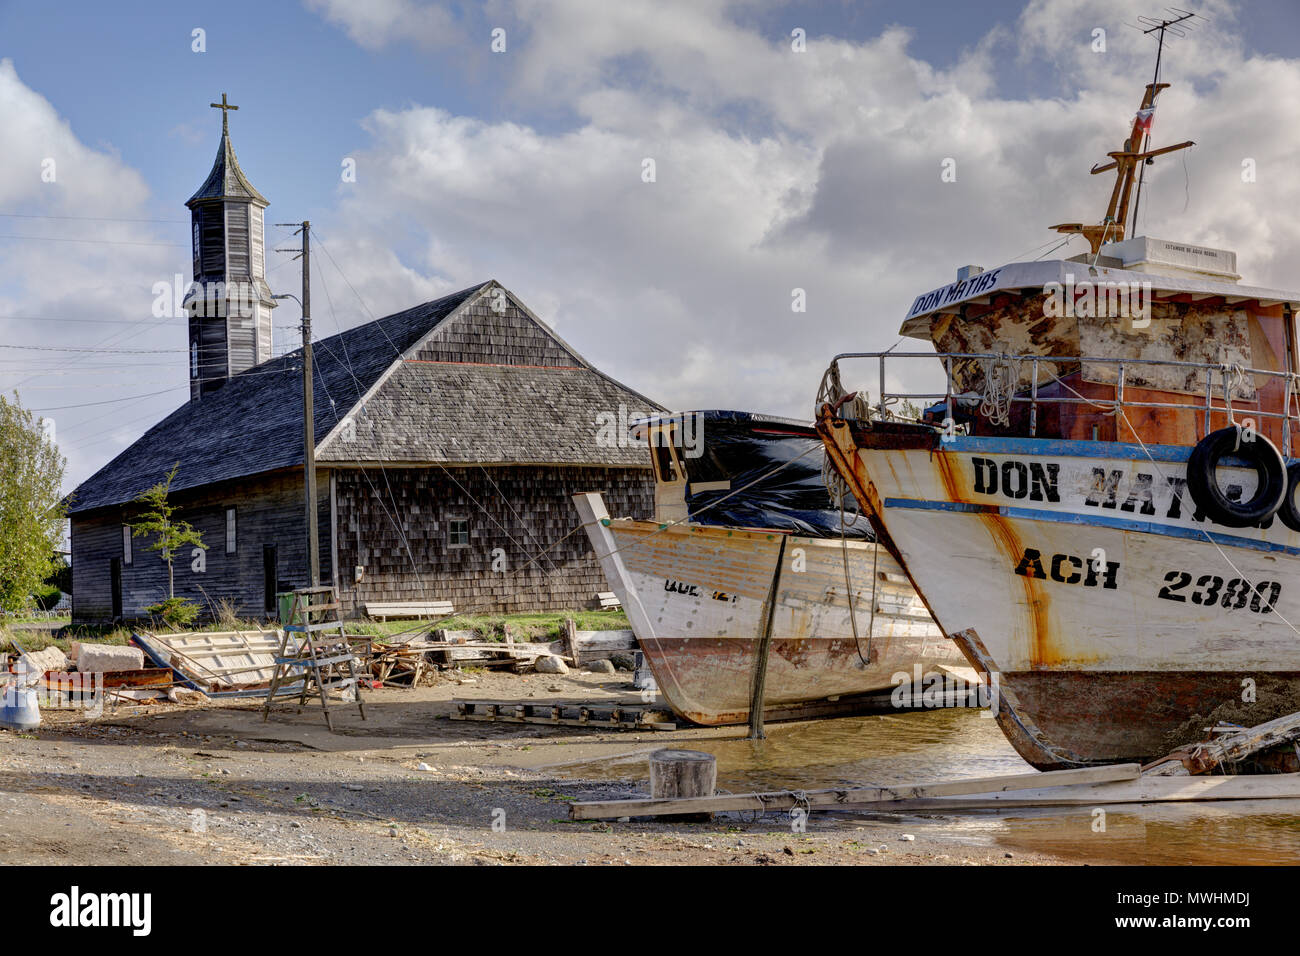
219 664
1100 507
700 596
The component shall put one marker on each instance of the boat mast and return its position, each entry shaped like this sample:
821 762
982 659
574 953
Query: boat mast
1158 29
1125 163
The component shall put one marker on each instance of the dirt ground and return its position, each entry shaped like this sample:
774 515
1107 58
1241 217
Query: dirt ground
214 784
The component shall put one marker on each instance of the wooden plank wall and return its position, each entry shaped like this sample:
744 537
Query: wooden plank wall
525 510
268 511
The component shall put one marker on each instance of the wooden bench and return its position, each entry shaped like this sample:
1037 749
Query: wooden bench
608 601
383 610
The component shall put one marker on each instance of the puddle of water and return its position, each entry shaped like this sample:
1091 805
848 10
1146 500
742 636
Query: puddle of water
951 744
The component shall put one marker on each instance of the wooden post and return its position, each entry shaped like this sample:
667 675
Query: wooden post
571 639
759 685
683 773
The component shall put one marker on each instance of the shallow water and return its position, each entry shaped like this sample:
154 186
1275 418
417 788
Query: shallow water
950 744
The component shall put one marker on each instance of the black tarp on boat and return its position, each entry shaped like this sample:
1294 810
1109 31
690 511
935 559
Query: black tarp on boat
761 472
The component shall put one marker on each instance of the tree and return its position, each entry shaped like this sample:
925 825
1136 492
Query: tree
157 519
31 505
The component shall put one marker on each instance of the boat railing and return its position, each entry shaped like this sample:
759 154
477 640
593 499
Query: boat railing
999 397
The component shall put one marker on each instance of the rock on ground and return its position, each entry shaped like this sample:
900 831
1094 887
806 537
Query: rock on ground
601 667
550 664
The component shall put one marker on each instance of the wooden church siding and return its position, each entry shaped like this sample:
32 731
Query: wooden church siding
241 340
382 513
237 240
95 542
256 242
212 229
264 333
268 511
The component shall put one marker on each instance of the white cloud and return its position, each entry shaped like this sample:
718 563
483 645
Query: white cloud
82 269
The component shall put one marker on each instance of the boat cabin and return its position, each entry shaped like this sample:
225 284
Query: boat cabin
740 470
1137 338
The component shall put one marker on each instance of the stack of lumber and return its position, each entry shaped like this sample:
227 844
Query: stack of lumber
397 665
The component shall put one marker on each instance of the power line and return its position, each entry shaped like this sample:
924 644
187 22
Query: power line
23 215
108 401
110 242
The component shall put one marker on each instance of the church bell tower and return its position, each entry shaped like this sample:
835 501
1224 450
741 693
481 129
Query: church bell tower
229 302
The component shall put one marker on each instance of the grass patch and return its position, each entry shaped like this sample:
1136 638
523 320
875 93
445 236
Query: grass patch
531 627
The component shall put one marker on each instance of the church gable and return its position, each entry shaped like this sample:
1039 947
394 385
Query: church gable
490 384
495 330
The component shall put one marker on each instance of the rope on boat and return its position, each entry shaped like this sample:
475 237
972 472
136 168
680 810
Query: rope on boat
1001 375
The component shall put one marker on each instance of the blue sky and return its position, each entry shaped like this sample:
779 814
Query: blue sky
776 171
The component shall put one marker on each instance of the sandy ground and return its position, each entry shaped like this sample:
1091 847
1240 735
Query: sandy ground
214 784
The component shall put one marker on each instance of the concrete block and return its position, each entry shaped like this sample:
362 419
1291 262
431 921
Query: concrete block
94 658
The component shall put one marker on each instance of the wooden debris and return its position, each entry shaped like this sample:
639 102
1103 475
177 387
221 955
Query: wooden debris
565 713
1202 758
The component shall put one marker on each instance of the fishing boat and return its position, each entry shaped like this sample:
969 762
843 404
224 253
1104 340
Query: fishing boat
747 585
1098 501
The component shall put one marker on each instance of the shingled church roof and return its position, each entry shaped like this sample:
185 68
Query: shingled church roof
417 387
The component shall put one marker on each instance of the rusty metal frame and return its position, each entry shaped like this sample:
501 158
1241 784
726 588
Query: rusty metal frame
1118 403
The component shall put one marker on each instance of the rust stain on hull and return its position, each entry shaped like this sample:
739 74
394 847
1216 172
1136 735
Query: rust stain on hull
1042 650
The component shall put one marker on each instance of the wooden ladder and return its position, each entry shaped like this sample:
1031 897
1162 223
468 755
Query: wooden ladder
316 649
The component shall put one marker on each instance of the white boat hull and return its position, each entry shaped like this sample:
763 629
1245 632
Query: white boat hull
697 599
1080 573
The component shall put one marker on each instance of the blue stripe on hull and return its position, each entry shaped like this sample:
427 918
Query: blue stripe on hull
1097 521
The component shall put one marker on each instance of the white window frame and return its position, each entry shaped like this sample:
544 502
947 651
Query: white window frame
451 542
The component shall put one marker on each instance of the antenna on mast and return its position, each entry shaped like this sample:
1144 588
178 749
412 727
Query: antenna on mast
1176 27
1125 161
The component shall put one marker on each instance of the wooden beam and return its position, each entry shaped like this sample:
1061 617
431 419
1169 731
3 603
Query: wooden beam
849 796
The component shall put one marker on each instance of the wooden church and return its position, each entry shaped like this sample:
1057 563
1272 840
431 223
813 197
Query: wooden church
449 439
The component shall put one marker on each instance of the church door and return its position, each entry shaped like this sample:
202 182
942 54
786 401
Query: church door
115 576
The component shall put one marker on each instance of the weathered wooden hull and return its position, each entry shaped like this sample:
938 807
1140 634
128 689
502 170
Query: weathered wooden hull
1079 572
697 599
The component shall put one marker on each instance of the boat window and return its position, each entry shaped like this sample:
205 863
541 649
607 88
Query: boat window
664 464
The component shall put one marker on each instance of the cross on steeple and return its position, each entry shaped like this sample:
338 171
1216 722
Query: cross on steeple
225 107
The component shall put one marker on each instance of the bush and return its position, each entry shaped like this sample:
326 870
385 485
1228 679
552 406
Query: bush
175 612
46 596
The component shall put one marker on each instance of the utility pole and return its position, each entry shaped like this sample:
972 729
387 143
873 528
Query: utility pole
308 417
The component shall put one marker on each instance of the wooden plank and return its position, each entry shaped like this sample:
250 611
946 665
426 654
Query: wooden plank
851 796
1145 789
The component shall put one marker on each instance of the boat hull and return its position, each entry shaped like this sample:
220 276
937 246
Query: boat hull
1081 573
698 597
